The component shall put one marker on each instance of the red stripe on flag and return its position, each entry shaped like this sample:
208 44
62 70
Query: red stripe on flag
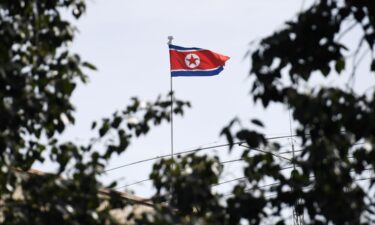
208 60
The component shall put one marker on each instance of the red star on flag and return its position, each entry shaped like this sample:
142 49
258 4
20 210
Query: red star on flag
192 60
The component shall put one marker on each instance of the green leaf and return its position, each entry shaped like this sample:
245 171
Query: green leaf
89 65
116 122
257 122
104 129
325 70
226 132
340 65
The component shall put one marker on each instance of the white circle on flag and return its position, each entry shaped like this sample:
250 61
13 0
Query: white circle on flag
192 60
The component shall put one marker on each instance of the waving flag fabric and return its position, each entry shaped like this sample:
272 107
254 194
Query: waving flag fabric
195 61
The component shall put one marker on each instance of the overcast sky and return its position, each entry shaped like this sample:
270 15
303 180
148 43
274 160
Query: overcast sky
126 40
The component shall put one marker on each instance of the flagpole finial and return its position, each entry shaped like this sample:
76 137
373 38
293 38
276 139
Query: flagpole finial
170 39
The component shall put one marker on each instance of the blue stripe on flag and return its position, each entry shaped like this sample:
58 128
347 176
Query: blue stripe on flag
196 73
175 47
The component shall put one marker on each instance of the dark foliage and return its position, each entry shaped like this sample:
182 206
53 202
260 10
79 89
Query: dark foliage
38 75
325 185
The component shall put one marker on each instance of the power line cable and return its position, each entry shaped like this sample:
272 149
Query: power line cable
268 152
186 152
242 178
191 151
137 182
359 179
280 153
233 160
146 180
218 184
166 156
223 162
277 183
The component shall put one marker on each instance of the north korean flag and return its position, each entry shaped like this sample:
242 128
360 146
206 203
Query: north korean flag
195 61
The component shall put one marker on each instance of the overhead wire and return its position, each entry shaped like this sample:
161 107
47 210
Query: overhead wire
186 152
223 162
277 183
242 178
268 152
214 185
137 182
146 180
359 179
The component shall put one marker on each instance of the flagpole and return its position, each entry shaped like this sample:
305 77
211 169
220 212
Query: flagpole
170 39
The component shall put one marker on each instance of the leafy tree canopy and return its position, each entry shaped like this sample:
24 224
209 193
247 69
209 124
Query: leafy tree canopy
325 185
38 76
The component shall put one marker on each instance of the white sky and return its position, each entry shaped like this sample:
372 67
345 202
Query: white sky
126 40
